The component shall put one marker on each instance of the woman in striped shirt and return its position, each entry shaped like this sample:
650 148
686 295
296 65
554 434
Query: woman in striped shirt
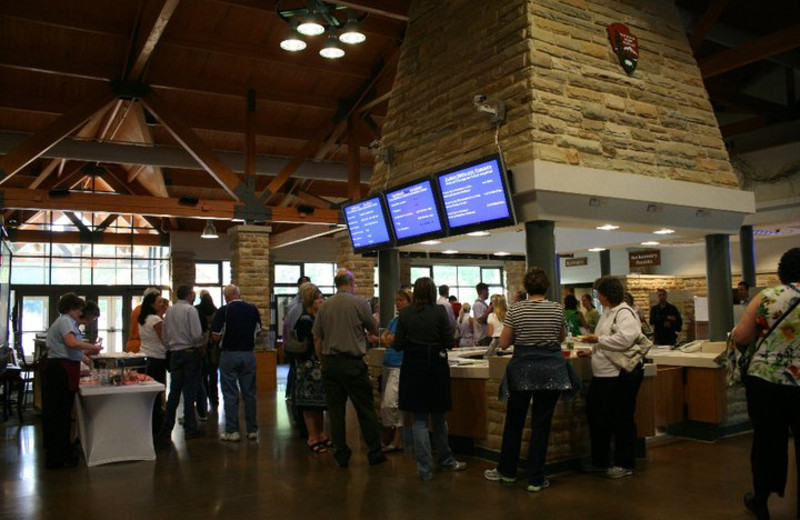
537 371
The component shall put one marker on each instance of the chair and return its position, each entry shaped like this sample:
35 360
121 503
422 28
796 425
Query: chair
27 375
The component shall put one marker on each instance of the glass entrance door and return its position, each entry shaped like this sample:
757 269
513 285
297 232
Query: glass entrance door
110 323
34 318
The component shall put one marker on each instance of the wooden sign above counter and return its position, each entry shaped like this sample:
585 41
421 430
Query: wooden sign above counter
644 258
575 262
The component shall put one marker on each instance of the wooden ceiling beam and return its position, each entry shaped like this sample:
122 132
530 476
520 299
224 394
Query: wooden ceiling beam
193 144
41 61
781 41
313 200
74 237
37 144
395 9
156 14
353 162
703 26
42 200
300 234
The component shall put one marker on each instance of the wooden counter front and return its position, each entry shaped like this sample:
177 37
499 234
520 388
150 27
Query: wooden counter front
468 418
266 370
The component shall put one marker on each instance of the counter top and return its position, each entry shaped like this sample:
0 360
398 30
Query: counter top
466 363
704 358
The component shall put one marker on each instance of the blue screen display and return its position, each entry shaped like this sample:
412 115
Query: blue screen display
367 223
474 195
413 210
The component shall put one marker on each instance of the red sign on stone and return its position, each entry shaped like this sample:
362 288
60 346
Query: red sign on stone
625 45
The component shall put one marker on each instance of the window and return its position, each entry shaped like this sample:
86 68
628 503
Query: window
285 284
87 264
462 279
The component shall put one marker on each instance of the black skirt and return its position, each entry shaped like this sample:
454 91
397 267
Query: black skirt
425 380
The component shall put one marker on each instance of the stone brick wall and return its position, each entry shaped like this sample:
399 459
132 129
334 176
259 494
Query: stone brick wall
568 99
362 268
515 272
182 270
250 267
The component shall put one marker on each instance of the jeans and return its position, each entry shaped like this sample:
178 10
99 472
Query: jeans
238 367
544 403
610 408
57 401
184 378
422 443
347 377
157 369
774 410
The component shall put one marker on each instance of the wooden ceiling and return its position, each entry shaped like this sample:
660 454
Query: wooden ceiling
190 100
204 81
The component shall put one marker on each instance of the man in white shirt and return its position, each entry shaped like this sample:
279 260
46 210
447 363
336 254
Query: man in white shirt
444 301
481 311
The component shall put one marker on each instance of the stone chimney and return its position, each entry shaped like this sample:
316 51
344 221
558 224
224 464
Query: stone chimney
568 99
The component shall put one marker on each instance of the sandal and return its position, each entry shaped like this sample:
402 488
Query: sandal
318 447
389 448
327 443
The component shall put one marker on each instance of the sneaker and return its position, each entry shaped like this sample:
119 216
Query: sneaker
535 488
230 436
617 472
455 466
253 436
202 418
495 476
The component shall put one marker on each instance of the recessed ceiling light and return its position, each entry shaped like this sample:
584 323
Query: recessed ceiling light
596 249
501 253
450 252
479 234
431 242
607 227
664 231
650 243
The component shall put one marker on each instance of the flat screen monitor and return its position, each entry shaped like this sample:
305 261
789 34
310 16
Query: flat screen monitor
476 196
367 223
414 213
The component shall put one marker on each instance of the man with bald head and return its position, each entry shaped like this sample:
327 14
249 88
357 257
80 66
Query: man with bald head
341 344
235 326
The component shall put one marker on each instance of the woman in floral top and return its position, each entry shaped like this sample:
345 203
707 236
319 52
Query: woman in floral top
772 382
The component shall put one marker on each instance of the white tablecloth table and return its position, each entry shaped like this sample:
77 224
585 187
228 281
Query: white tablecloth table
115 422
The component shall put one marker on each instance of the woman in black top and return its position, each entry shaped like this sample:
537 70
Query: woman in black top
424 334
537 372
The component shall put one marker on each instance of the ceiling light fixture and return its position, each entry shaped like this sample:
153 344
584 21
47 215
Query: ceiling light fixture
450 252
479 234
501 253
292 42
332 48
664 231
311 18
210 231
431 242
607 227
650 243
597 249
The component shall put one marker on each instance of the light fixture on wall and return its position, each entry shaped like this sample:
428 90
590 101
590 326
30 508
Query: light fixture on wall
210 231
311 18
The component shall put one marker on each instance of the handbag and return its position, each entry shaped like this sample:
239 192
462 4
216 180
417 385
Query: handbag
736 360
295 346
629 360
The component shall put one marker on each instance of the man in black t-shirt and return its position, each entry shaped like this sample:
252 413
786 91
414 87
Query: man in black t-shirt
236 325
666 320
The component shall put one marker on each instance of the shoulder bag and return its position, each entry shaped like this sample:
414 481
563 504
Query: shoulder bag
294 346
629 360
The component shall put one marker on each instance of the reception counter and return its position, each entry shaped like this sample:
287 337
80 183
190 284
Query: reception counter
479 416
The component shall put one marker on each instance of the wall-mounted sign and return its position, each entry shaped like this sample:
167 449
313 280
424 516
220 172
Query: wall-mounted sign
625 45
644 258
575 262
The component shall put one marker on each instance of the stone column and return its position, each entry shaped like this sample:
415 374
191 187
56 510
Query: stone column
251 268
362 268
720 296
182 270
388 282
747 248
605 262
540 250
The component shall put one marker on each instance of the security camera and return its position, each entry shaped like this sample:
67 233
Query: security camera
495 108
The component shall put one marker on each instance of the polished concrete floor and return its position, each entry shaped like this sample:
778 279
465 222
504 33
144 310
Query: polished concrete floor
278 477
